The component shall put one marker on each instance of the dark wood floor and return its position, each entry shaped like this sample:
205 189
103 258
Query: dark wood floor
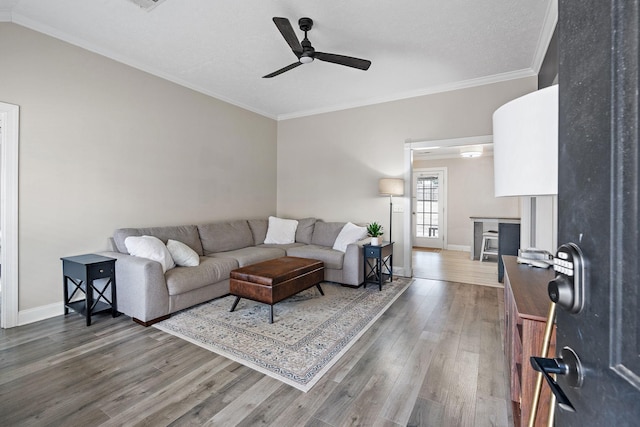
433 359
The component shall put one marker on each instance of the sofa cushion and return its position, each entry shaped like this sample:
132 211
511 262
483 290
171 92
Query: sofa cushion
182 254
259 230
304 233
283 247
187 234
225 236
252 254
325 233
211 270
152 248
332 259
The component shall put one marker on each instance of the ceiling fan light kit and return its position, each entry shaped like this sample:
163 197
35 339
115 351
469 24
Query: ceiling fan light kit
147 5
305 52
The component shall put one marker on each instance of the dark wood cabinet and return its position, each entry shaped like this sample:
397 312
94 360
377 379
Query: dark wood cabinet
526 304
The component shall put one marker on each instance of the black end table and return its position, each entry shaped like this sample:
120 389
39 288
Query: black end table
378 263
81 271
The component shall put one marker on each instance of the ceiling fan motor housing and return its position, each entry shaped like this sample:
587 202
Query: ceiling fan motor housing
308 52
305 24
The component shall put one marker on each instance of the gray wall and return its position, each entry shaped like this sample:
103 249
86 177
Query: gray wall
470 193
103 145
329 164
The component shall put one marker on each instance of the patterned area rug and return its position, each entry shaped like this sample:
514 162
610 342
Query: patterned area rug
309 334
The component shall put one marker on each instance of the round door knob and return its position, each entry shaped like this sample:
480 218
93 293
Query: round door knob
561 292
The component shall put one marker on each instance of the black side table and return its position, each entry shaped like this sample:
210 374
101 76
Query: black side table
378 263
81 271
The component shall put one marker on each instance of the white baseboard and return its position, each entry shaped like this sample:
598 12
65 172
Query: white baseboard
40 313
460 248
401 272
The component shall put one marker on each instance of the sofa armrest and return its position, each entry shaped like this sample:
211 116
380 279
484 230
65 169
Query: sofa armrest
353 263
141 289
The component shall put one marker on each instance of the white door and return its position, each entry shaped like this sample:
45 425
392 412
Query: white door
429 205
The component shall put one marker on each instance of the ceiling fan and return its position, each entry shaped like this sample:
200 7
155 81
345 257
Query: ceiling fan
306 53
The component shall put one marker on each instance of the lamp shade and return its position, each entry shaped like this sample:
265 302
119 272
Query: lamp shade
391 186
525 145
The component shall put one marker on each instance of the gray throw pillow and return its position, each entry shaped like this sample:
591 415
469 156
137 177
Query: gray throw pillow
304 233
325 233
225 236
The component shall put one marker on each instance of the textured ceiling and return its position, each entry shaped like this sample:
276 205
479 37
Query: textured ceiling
223 48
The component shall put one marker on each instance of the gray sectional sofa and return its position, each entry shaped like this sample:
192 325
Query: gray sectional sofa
148 295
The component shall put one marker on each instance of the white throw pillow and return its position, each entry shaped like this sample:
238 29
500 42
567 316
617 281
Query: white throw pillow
151 248
350 233
281 231
182 254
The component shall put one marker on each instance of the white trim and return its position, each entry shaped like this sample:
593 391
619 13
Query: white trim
10 115
465 84
549 25
460 248
415 144
406 232
40 313
399 272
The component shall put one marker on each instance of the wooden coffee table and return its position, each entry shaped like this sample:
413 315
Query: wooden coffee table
272 281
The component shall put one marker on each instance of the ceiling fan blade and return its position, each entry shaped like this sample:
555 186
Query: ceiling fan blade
289 35
282 70
349 61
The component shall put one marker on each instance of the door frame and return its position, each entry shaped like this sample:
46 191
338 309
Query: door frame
10 115
409 146
442 205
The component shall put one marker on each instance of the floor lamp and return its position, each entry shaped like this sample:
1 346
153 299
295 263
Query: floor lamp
391 187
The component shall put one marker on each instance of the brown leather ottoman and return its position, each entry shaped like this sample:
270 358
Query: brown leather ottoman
272 281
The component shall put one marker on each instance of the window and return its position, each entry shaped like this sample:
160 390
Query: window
427 218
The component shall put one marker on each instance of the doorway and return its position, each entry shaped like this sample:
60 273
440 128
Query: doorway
429 201
413 148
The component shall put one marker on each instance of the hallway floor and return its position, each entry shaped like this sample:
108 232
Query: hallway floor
454 266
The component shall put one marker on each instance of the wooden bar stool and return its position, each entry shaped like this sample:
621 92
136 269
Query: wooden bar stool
487 248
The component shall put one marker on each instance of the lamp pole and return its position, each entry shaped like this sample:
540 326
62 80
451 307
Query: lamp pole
391 187
390 215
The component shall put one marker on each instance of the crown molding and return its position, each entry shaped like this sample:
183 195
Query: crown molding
548 27
550 21
465 84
